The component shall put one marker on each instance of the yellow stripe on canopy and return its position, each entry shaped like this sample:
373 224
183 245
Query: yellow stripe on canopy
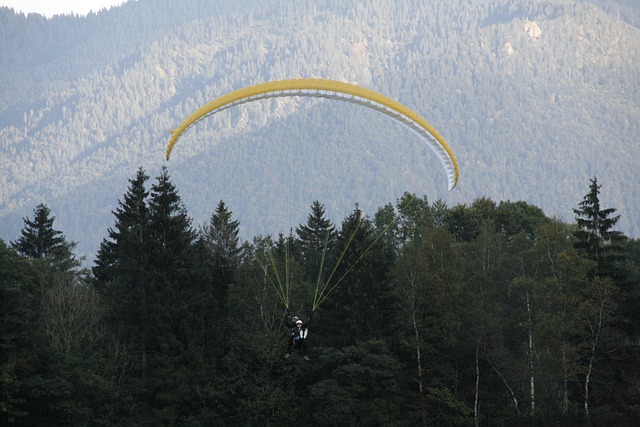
321 88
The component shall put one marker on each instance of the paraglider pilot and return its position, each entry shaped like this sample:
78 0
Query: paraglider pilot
297 335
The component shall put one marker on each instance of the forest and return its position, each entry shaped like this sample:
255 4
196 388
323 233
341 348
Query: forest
538 95
480 314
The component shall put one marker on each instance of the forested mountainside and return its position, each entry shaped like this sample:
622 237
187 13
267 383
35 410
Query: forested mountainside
534 97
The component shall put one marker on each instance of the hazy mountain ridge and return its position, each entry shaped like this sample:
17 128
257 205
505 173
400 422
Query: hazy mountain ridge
514 102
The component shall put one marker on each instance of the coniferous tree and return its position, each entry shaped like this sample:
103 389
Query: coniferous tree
219 257
122 277
153 297
180 303
220 237
595 235
316 243
170 226
18 310
125 252
221 234
64 330
358 384
39 240
359 280
121 267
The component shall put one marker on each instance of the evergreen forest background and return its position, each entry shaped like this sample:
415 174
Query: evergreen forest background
135 291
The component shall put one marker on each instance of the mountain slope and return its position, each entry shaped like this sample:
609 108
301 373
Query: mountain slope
534 98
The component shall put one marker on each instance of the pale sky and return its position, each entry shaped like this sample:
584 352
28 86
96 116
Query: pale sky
49 8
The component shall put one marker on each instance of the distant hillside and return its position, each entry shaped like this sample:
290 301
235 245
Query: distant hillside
535 98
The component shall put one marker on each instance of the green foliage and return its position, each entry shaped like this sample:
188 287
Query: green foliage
361 266
630 289
317 244
359 385
121 268
595 234
483 314
159 299
221 235
516 217
18 310
39 240
53 364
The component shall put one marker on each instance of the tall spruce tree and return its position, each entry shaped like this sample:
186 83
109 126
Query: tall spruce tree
180 304
39 240
355 304
221 235
316 243
122 277
125 252
156 299
121 268
223 251
171 234
218 257
595 235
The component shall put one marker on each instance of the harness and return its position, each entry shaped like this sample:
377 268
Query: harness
298 337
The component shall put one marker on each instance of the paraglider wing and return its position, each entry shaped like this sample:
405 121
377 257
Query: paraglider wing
320 88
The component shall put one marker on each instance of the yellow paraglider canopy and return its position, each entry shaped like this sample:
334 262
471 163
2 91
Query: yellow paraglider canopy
320 88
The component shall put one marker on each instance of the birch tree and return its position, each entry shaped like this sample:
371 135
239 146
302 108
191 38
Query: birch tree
428 296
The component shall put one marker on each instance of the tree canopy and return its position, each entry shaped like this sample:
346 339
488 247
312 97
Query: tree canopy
473 314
